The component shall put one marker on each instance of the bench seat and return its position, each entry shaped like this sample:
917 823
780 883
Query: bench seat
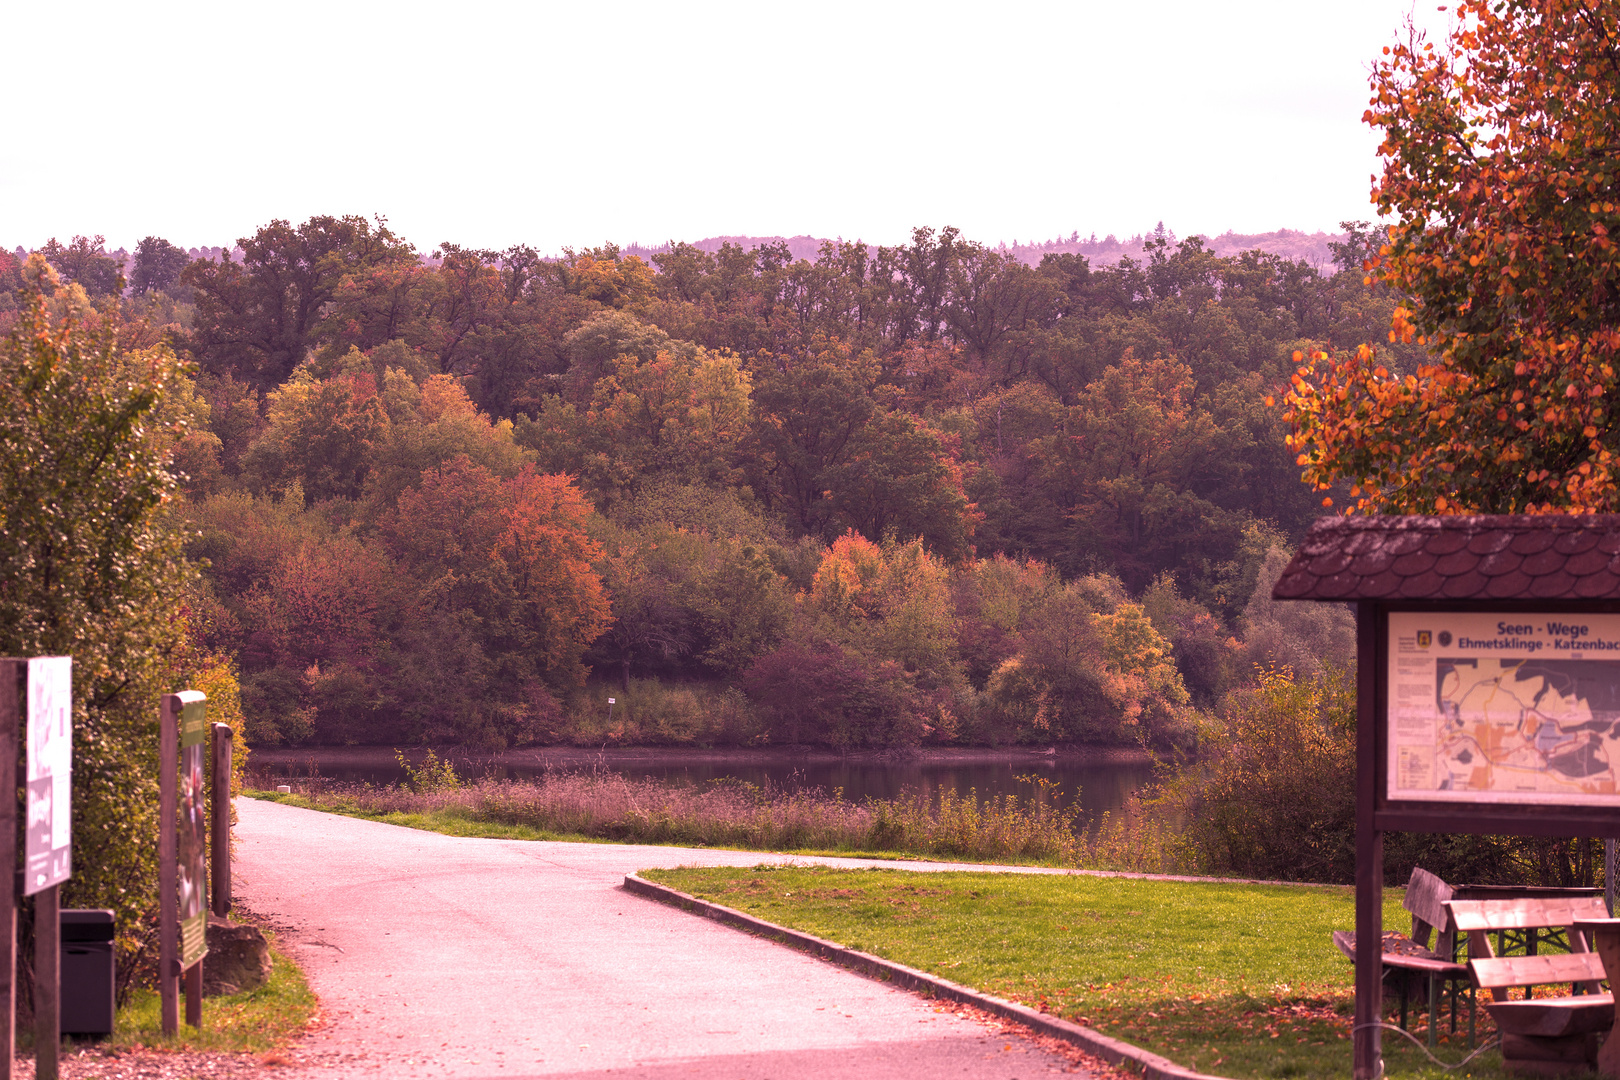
1550 1018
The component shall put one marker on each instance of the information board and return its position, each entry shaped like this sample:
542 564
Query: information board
192 838
47 843
1504 708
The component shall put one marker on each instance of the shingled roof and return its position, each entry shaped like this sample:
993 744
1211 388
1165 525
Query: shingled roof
1505 557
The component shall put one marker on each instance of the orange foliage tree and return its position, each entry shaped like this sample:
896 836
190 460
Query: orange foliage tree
515 554
1500 150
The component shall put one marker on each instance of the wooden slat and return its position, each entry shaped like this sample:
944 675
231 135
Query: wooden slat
1426 897
1523 914
1504 971
1425 964
1409 958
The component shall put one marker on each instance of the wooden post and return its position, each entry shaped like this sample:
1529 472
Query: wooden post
13 678
47 982
220 840
168 886
1366 1037
194 994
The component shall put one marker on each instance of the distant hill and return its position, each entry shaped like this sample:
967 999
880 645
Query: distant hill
1310 248
802 247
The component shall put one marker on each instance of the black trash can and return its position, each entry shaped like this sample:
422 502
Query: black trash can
87 972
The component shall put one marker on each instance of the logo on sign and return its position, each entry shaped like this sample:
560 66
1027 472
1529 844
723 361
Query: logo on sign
1424 638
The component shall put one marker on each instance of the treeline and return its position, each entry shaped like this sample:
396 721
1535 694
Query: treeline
884 496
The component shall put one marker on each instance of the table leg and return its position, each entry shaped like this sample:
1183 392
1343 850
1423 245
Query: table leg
1434 1006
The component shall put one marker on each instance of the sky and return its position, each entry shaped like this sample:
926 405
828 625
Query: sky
567 125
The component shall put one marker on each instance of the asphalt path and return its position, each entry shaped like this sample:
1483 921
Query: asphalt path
438 956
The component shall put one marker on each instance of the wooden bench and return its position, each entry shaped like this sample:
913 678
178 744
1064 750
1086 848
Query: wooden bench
1540 1036
1410 959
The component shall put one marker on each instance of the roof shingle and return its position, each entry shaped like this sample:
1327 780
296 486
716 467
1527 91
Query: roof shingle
1544 557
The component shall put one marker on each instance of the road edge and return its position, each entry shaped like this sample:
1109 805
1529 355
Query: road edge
1113 1051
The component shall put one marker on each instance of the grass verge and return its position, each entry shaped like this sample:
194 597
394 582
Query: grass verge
254 1021
1236 980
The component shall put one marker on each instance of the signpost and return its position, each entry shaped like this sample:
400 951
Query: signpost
220 838
48 851
41 690
36 716
182 874
1487 687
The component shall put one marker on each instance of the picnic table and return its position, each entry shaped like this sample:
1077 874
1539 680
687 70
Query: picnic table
1549 1035
1411 962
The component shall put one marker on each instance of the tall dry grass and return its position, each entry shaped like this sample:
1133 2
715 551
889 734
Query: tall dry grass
1031 828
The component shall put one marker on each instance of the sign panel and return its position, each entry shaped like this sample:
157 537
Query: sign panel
192 839
48 849
1509 709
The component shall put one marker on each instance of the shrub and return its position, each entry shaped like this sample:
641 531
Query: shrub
89 569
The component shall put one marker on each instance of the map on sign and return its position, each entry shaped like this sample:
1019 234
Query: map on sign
1504 708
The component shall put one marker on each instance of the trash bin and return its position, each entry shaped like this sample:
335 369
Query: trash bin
87 971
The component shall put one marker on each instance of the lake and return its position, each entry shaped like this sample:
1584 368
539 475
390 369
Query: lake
1099 780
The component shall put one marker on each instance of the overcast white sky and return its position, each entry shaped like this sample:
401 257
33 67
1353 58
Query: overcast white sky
493 123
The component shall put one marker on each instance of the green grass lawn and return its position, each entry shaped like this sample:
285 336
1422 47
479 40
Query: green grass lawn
254 1021
1237 980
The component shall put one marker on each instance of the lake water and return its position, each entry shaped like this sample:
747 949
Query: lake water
1096 785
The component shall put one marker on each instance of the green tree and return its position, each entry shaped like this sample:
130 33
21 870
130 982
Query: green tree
157 265
90 569
323 433
256 319
85 261
831 456
678 416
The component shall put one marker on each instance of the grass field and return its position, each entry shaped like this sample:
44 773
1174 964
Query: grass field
1237 980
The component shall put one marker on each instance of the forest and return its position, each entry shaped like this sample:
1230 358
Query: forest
881 497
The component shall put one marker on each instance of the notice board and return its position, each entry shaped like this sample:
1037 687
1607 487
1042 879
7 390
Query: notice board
1504 708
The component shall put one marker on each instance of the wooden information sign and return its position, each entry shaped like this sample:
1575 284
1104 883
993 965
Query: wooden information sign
182 876
1487 688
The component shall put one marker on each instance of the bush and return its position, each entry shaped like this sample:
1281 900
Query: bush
1274 794
90 570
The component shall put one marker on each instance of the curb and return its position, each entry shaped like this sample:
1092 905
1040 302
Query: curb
1113 1051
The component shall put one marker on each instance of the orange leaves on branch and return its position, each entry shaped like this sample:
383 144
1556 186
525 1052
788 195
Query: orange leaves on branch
1513 283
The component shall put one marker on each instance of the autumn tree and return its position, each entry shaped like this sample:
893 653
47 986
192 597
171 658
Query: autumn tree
514 553
84 261
1499 148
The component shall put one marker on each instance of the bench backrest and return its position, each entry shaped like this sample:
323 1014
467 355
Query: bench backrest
1426 897
1524 914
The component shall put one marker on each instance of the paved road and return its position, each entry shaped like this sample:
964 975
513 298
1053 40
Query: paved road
440 956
